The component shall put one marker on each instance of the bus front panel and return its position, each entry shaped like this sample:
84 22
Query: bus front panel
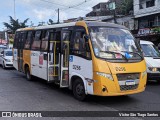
119 78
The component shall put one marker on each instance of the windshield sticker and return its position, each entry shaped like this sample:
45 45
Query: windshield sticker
96 51
127 55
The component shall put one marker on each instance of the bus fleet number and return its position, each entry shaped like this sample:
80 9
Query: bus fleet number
120 69
76 67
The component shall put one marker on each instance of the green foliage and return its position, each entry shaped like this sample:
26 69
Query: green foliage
15 24
156 30
10 41
125 7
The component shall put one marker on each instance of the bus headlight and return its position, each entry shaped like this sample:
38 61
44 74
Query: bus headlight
109 76
144 73
153 69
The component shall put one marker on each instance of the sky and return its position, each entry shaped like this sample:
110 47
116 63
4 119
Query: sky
43 10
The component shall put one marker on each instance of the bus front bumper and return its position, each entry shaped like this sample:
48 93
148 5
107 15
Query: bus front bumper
123 93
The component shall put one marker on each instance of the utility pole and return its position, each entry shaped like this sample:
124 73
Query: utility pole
14 9
58 16
115 21
112 8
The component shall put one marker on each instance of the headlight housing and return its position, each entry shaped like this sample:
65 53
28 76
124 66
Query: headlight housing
109 76
153 69
7 60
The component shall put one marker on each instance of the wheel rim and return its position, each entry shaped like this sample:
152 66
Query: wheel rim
79 89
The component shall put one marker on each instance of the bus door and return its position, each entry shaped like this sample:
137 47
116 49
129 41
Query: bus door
43 56
65 44
20 44
54 57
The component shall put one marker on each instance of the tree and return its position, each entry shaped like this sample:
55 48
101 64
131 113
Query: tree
125 7
15 24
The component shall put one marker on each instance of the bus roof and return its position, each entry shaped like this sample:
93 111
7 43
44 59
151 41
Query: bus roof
25 29
57 25
88 23
107 24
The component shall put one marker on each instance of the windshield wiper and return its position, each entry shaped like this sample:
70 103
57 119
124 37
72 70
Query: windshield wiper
148 56
134 53
115 53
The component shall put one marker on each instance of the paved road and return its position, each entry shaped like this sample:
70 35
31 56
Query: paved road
18 94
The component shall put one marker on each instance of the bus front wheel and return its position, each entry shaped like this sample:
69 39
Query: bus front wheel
28 74
79 90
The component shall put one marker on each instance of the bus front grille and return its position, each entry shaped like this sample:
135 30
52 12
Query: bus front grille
128 87
128 76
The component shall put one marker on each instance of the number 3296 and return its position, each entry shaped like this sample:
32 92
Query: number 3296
76 67
120 69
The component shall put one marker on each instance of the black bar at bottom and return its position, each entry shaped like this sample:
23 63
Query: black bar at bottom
79 113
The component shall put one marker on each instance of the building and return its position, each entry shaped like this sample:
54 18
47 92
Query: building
104 8
113 14
100 9
147 19
107 12
127 21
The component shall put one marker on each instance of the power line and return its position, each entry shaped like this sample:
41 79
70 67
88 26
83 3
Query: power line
54 3
68 7
79 4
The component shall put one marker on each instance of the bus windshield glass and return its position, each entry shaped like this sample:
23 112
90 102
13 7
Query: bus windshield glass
150 50
114 43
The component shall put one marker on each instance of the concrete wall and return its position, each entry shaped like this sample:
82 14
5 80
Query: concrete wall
145 11
127 21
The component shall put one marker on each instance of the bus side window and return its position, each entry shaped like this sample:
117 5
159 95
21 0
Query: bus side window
23 39
58 39
16 40
79 45
19 40
28 40
45 37
37 41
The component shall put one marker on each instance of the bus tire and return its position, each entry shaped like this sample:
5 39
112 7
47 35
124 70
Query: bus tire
28 74
79 90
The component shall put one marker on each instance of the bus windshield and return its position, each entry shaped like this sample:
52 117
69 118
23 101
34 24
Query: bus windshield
114 43
150 50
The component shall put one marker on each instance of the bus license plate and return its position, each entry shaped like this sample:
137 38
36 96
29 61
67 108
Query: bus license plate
130 82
